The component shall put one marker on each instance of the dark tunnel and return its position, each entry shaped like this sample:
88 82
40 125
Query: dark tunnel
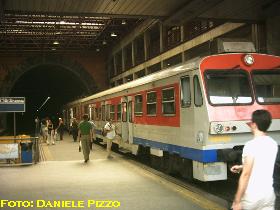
36 85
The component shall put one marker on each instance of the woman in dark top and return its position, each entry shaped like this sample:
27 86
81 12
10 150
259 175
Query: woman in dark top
60 128
74 129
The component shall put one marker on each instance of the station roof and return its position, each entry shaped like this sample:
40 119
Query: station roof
86 25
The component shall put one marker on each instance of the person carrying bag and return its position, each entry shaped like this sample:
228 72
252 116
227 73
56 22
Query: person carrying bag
110 133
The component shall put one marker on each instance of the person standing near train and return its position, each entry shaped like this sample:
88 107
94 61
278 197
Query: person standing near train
255 186
85 135
110 130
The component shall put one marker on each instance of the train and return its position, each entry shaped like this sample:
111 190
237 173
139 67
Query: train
190 118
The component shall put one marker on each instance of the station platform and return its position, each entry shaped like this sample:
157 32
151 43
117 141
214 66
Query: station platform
63 180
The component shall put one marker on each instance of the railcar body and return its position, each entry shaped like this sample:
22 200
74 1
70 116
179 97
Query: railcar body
190 118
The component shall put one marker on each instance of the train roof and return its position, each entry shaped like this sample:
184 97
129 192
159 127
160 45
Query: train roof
168 72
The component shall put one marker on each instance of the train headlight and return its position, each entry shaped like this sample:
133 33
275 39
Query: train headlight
249 60
218 128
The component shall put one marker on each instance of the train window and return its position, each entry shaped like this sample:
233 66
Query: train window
198 100
119 113
185 92
267 86
103 112
86 109
168 101
228 87
152 103
124 108
138 105
112 112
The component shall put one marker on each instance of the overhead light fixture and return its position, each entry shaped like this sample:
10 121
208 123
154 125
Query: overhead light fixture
56 42
53 49
123 22
97 49
104 42
113 34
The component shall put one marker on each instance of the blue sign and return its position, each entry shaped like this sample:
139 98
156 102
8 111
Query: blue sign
12 104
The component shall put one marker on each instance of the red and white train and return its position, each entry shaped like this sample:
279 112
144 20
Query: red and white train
190 118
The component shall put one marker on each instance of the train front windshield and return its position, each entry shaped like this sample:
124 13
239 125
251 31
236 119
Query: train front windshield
228 87
267 86
233 87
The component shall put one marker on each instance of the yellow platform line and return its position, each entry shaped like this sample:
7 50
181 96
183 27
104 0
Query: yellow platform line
47 154
42 156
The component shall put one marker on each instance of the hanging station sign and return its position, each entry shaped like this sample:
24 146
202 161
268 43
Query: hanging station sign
12 104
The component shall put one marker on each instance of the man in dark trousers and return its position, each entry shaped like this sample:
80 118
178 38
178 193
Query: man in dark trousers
85 135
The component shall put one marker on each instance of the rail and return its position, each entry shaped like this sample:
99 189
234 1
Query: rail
19 150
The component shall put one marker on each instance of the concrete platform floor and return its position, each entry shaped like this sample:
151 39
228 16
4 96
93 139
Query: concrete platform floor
65 178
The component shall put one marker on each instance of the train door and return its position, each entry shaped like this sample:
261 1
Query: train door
124 123
187 110
199 111
103 113
130 119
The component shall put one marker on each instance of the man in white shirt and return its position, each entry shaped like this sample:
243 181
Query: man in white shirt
110 135
255 187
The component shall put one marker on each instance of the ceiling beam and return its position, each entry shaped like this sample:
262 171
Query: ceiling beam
87 14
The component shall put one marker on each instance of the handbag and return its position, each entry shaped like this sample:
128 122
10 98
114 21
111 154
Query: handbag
104 132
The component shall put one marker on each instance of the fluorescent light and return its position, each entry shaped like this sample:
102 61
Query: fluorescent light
113 34
55 42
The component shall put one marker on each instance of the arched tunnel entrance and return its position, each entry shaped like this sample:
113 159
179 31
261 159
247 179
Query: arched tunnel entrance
38 83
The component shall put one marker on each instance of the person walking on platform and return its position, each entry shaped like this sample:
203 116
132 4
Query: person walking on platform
110 135
60 128
44 130
37 126
50 132
74 129
85 135
255 187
